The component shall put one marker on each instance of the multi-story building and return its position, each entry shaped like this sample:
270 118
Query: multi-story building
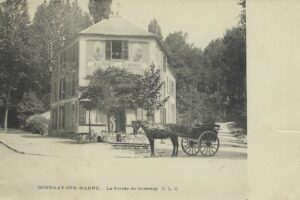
110 42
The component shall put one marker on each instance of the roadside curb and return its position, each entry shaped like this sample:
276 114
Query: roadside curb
17 151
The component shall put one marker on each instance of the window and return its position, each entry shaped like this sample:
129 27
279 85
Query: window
100 117
62 88
163 116
61 116
130 116
73 116
164 88
168 85
164 63
116 49
55 91
73 83
54 118
62 60
75 53
173 113
82 115
172 88
141 114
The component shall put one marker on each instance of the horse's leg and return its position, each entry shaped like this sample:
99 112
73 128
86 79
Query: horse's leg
151 141
176 140
173 142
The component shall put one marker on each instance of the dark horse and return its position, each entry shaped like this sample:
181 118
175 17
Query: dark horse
156 132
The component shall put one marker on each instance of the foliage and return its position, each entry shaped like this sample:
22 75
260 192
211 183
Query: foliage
29 105
113 88
235 58
54 24
27 51
110 89
154 28
37 124
211 83
99 9
15 76
147 89
242 21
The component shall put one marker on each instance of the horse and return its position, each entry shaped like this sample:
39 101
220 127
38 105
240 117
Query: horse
157 132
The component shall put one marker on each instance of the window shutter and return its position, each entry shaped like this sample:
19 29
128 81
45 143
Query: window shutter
82 115
73 83
164 63
125 50
108 50
64 88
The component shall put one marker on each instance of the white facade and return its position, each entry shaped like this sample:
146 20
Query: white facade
101 46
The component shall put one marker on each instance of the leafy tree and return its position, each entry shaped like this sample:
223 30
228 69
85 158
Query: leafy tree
109 89
187 62
14 58
54 24
178 49
29 105
154 28
147 89
235 58
99 9
115 88
242 21
211 82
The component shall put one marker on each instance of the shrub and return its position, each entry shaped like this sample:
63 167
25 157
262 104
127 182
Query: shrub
37 124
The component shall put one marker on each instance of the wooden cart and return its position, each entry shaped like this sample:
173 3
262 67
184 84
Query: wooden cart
200 138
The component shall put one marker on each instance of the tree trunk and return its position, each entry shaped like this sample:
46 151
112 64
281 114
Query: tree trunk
6 110
5 120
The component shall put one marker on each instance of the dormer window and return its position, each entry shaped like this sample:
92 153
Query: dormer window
116 49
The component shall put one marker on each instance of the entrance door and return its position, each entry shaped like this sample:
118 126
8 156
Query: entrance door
120 116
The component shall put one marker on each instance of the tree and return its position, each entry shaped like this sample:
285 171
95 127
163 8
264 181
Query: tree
235 58
242 21
99 9
212 81
109 89
178 49
187 62
54 24
147 94
14 66
29 105
115 88
154 28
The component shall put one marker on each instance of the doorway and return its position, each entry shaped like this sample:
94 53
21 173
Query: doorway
119 116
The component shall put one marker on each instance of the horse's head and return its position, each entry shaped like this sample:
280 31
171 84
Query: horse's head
137 124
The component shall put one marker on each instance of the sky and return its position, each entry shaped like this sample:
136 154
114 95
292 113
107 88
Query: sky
203 20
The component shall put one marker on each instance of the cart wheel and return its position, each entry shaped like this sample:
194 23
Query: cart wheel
209 143
190 146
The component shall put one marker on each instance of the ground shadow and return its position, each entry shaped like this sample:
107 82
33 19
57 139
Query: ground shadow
75 142
37 136
234 145
163 153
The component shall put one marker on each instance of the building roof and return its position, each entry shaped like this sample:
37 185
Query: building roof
116 26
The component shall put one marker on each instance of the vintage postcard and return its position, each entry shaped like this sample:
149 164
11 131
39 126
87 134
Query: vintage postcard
135 99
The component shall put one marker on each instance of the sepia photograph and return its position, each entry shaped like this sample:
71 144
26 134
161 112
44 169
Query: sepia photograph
118 99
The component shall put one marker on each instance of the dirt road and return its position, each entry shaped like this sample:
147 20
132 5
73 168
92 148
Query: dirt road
58 168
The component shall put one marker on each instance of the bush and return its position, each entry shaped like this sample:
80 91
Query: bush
37 124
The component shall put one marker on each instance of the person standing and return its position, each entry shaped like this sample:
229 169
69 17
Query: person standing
112 123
